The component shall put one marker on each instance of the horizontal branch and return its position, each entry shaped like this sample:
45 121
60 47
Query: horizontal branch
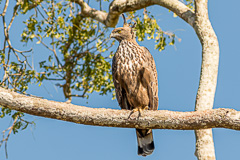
162 119
118 7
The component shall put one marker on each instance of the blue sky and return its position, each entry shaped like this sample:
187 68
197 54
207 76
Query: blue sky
178 74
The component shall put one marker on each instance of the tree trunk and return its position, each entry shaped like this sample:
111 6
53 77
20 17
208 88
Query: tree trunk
208 79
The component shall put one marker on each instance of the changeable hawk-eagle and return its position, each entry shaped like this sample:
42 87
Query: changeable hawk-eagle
135 80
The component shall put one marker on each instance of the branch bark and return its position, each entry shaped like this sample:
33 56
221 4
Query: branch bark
118 7
214 118
208 79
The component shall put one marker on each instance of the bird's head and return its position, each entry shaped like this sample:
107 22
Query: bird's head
123 33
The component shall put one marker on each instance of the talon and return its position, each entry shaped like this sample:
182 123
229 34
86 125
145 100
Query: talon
140 112
135 110
146 108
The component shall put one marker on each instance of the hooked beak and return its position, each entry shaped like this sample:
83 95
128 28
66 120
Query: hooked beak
112 35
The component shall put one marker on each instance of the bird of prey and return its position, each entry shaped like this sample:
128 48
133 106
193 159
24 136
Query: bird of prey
135 80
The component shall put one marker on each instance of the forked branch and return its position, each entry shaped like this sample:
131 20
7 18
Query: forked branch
117 7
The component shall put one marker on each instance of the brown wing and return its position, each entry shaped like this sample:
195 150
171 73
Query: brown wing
150 80
120 92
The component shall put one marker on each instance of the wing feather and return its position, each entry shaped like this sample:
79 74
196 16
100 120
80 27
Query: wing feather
150 78
120 92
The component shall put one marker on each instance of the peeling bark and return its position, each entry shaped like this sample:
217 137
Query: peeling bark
161 119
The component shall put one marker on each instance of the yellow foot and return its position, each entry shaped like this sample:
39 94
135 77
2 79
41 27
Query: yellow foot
146 108
139 110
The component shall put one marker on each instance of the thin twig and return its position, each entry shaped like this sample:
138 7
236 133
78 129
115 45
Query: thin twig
5 140
5 8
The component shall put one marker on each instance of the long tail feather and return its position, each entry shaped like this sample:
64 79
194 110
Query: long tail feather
145 141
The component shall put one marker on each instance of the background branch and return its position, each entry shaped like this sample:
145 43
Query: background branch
5 139
118 7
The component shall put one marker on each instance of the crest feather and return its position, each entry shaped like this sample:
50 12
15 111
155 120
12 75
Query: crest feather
125 24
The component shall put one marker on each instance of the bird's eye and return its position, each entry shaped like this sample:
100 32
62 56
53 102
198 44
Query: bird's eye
118 31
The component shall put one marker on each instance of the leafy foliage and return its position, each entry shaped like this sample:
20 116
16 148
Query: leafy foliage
20 124
80 42
147 27
190 4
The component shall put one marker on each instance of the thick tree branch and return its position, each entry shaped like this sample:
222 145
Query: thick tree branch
118 7
87 11
214 118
